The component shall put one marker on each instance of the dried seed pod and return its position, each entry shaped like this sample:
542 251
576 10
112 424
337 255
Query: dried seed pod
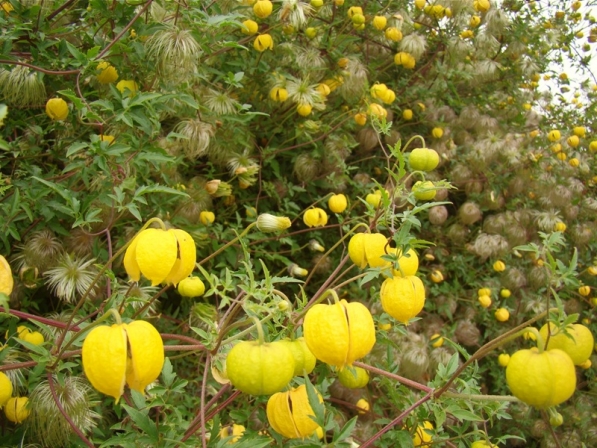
469 213
438 215
467 333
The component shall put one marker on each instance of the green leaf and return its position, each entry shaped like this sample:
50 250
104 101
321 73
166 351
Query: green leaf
463 414
346 431
142 420
316 405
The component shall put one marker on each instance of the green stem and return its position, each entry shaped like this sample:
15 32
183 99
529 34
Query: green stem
249 330
228 244
260 336
412 139
327 292
478 397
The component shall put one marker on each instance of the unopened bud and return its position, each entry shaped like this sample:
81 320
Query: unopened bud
271 223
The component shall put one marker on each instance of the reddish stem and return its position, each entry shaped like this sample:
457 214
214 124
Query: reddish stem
400 379
43 320
396 421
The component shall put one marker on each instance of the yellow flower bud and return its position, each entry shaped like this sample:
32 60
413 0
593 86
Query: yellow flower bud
57 109
304 109
407 114
207 217
271 223
499 266
107 74
191 287
250 27
124 85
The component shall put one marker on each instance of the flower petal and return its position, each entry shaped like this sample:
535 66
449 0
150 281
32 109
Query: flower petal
146 355
156 254
186 258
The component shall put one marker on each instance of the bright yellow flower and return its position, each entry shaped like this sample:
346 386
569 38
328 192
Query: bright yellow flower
263 42
131 354
162 256
57 109
315 217
107 74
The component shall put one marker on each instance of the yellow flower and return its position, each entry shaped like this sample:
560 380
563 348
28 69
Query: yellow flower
263 8
263 42
340 333
502 314
289 413
162 256
57 109
579 131
481 5
16 409
485 301
107 138
376 110
337 203
422 436
402 297
499 266
323 89
120 354
315 217
405 59
123 85
5 389
573 141
407 114
503 359
234 431
6 280
107 74
554 135
279 94
304 109
436 276
437 132
354 10
7 7
207 217
360 119
250 27
271 223
368 248
191 287
379 22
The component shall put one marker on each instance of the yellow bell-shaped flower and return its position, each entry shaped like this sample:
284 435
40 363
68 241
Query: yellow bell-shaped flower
162 256
289 413
263 42
108 74
131 354
315 217
340 333
57 109
6 280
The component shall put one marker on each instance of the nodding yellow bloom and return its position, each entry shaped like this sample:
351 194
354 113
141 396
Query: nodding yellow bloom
263 42
120 354
207 217
123 85
263 8
499 266
6 280
107 74
289 413
278 94
5 389
250 27
162 256
57 109
315 217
